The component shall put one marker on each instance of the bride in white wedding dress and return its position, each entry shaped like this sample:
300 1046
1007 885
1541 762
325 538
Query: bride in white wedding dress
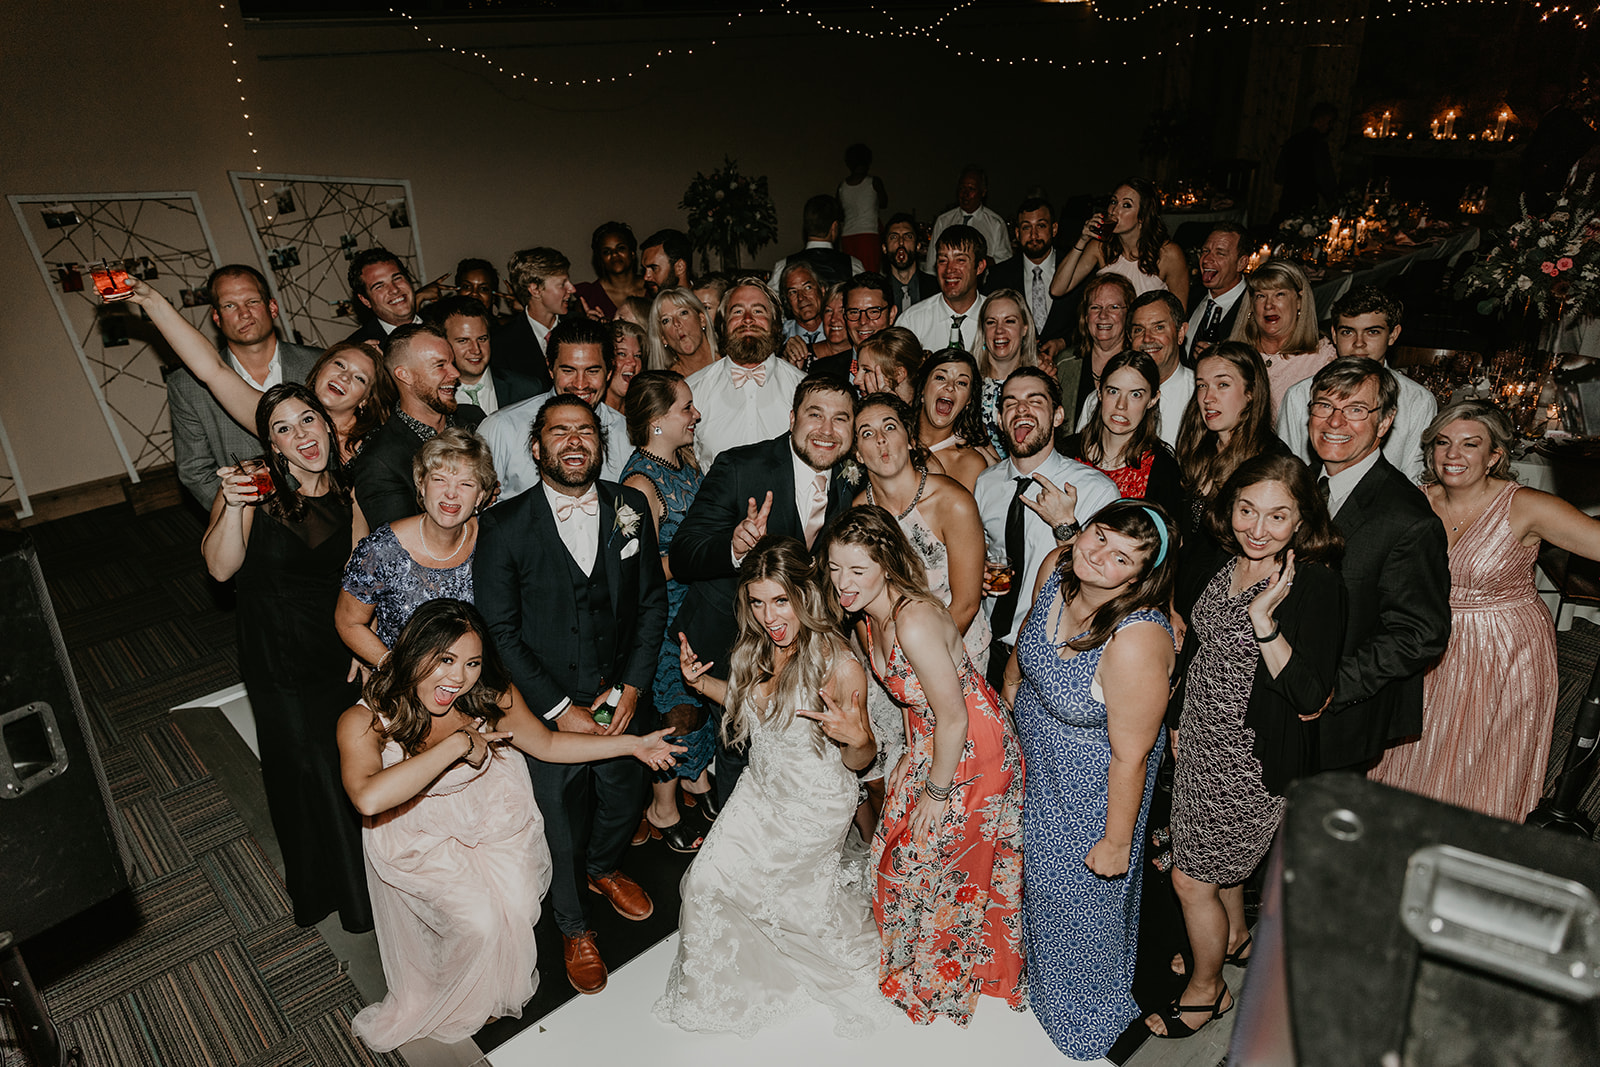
774 917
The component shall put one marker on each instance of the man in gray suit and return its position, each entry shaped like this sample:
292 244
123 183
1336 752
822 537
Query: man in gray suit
203 436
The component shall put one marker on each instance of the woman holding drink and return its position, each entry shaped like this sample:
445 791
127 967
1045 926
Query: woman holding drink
1129 239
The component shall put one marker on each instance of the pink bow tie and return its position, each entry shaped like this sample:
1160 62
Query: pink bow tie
757 374
588 503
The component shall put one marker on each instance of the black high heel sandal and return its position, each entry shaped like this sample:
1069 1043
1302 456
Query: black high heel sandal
1173 1016
1237 957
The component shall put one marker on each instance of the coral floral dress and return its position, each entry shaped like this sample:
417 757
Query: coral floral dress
948 914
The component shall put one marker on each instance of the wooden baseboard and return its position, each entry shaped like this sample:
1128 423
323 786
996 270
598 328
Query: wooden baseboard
157 488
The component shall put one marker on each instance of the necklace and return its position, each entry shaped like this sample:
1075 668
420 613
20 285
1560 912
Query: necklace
1474 512
663 462
921 485
422 535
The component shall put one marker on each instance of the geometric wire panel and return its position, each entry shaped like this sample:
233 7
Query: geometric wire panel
11 487
159 237
307 228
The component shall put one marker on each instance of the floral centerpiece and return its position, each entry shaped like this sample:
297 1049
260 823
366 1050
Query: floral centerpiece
729 211
1548 265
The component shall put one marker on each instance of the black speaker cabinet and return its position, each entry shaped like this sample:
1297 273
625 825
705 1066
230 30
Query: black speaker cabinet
60 845
1401 932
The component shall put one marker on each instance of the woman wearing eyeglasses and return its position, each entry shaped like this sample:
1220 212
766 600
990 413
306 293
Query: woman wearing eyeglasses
1102 333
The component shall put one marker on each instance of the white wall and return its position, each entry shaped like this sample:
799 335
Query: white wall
139 96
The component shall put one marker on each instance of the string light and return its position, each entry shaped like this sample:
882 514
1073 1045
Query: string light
238 82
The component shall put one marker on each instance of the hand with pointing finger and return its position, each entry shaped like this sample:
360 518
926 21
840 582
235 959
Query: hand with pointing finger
753 528
1055 505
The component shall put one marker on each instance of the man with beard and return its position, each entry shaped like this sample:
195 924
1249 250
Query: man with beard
665 257
541 280
425 379
381 284
614 255
908 283
467 325
745 396
1158 330
1222 260
203 436
1031 501
569 579
582 359
789 487
949 318
972 188
1030 274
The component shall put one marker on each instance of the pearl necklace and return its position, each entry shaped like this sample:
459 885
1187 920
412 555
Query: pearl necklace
422 535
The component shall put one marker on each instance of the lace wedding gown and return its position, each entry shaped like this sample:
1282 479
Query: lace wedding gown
774 914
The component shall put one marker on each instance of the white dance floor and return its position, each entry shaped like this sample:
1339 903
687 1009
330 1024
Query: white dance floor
616 1026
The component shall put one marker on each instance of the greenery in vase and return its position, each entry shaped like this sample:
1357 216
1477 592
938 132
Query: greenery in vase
729 211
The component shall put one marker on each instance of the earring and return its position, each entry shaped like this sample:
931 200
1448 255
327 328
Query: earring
656 430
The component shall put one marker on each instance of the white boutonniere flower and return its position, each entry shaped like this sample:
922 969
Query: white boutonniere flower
627 523
850 471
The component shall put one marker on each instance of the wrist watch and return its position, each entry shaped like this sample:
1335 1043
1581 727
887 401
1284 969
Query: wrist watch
1066 531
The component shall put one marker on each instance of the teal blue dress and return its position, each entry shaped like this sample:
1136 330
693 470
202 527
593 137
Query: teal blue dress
676 486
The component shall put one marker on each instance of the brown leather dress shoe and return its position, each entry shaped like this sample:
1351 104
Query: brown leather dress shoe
626 895
585 969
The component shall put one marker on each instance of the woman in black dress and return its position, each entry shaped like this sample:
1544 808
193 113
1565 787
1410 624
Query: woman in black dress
286 546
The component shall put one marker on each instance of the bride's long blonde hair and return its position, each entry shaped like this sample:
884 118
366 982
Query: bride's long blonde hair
754 659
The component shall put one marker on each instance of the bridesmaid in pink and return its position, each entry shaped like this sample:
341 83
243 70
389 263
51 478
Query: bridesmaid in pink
948 849
455 847
1485 746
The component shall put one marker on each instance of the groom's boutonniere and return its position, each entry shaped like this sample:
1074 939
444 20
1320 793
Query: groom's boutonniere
850 471
627 523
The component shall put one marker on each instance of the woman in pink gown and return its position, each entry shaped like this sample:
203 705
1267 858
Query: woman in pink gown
948 850
1489 705
455 847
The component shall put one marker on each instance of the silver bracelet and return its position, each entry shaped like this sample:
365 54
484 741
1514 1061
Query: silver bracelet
936 794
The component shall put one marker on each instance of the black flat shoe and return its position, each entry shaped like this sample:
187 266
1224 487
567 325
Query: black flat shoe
680 838
1173 1016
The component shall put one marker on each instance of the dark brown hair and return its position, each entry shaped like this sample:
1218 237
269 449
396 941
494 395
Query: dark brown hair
392 688
1152 589
1146 436
1316 541
291 506
1204 462
374 409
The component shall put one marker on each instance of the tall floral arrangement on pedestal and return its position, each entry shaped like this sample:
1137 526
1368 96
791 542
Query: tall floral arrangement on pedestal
729 211
1549 266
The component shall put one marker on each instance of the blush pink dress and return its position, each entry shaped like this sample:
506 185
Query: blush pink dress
456 875
1284 371
1489 705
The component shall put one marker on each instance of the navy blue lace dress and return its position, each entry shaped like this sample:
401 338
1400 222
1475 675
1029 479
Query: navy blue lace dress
382 573
1081 930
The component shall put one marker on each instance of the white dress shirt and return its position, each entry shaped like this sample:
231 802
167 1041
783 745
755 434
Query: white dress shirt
930 320
1403 446
480 393
731 415
579 531
1341 485
274 370
541 333
389 328
507 430
996 234
1176 392
792 328
777 271
997 485
1225 302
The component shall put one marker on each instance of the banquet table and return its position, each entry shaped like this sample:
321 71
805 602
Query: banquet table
1573 474
1390 262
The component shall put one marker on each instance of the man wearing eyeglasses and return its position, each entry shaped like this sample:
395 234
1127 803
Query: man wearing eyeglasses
868 308
1395 569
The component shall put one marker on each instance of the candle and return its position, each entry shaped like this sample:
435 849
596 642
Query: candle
1383 126
1500 124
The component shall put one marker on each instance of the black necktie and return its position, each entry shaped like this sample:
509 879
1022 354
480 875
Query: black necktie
1005 608
1212 317
1324 490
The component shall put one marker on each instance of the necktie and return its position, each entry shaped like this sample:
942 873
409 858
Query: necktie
1324 490
966 220
1037 296
819 508
588 503
1209 322
742 374
955 332
1005 608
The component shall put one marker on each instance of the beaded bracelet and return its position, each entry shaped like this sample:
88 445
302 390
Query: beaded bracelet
936 794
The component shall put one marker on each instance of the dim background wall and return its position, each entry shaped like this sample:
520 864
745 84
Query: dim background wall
141 97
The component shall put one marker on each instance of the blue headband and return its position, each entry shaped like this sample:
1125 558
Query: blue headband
1161 532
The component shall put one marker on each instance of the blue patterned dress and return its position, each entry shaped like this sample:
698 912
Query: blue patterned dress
382 573
676 486
1081 930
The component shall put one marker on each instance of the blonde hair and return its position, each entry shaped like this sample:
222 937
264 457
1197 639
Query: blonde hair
1030 347
1280 274
657 355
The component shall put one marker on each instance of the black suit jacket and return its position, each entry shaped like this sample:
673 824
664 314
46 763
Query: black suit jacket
1224 327
1396 573
701 551
523 586
371 331
922 286
1009 275
837 365
514 347
385 489
511 384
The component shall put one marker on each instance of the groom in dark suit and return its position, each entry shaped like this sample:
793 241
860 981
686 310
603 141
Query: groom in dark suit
1396 571
569 578
789 486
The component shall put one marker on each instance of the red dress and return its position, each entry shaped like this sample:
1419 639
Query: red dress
948 916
